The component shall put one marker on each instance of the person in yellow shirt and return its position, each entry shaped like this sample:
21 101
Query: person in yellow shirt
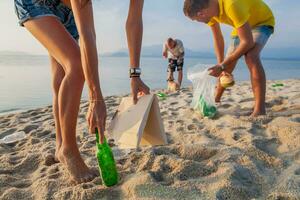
253 23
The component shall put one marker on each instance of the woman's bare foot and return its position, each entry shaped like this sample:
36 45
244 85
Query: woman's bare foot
75 165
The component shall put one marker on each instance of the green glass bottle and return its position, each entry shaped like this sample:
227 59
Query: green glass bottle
205 109
106 162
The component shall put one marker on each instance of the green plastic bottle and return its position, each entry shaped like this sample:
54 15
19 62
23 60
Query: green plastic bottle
277 85
106 162
205 109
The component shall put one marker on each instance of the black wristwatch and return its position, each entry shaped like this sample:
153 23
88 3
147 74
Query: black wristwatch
135 72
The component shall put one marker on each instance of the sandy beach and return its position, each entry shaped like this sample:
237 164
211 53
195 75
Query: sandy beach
229 157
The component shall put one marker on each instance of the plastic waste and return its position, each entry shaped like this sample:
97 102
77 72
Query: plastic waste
277 85
203 91
17 136
161 95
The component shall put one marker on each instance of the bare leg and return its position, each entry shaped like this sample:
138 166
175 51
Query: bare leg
220 90
258 79
64 49
180 75
134 31
57 76
170 75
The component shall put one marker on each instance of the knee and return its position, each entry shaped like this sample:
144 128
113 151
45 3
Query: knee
252 59
74 71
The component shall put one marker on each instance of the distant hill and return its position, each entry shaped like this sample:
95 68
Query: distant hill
156 51
288 53
292 53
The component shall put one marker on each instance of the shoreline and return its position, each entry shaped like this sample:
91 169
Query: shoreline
19 110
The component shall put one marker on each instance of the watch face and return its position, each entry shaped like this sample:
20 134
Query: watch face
137 70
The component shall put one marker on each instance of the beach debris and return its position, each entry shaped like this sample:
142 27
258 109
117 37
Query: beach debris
203 91
106 162
161 96
17 136
278 85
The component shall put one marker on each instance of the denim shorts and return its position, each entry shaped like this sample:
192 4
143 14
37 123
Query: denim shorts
260 35
31 9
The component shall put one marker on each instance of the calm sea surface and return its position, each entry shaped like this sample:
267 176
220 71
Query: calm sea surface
25 81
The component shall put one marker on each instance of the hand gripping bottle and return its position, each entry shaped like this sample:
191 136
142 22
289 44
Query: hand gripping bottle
106 161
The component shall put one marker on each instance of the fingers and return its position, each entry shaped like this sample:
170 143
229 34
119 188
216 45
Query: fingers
211 72
146 89
101 132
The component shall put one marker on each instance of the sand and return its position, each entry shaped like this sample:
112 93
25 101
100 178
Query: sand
229 157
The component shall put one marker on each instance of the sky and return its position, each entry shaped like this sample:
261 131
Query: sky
162 19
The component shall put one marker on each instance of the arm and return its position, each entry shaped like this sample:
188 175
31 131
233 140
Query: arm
85 24
134 32
218 42
246 43
165 51
180 51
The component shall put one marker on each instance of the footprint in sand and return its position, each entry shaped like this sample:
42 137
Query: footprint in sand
225 106
13 160
15 193
173 103
15 182
30 127
236 136
174 114
27 165
295 119
43 133
49 160
246 100
192 127
192 170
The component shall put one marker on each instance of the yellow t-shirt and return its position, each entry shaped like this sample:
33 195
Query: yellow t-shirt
237 12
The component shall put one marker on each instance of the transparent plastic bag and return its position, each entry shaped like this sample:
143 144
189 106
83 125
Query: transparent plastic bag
13 137
203 90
